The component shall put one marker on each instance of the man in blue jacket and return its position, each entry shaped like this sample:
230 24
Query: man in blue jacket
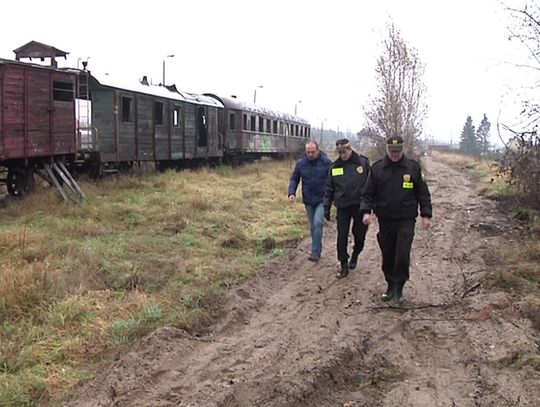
312 169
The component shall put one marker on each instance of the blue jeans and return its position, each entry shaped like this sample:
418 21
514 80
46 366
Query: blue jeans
315 214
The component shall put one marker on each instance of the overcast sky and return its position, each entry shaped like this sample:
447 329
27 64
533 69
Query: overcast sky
321 53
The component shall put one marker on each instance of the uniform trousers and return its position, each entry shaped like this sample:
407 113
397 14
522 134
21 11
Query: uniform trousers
359 230
395 239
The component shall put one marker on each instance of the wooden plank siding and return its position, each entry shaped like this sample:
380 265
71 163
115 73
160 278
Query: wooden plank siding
144 115
14 112
37 119
103 118
190 130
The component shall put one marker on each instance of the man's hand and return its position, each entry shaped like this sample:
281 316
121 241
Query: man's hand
366 219
426 223
292 198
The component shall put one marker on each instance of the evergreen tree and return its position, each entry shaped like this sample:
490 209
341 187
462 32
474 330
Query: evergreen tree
468 143
482 135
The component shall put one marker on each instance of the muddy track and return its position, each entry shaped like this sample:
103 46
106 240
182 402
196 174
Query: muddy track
296 336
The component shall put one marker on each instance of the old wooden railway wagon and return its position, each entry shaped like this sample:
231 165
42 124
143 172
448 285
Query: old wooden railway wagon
37 120
253 131
137 122
54 119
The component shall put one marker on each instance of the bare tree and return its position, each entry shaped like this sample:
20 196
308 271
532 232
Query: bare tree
399 107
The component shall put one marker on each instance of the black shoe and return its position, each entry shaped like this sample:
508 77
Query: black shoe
398 292
314 257
343 271
353 262
389 293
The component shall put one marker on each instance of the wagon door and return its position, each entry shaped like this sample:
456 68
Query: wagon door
202 132
63 115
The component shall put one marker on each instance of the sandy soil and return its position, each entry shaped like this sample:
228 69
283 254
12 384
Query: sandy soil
297 336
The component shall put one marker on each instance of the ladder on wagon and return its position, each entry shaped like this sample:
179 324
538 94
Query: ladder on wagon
58 175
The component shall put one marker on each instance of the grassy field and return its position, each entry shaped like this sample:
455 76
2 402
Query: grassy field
79 284
515 262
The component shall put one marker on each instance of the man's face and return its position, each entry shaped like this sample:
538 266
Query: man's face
312 151
345 153
394 155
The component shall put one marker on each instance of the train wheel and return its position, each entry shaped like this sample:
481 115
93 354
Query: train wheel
20 181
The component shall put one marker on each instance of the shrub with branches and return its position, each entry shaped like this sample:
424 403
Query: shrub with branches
521 162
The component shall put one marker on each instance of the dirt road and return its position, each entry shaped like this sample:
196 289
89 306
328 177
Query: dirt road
296 336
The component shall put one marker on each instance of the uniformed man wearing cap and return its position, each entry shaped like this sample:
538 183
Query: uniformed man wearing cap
346 179
394 191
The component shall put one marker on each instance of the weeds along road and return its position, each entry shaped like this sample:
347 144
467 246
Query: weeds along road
296 336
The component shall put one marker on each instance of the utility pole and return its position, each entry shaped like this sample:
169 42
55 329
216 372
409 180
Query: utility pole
255 94
296 106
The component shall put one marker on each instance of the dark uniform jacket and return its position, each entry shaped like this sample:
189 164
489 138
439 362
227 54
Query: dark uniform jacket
395 189
313 174
346 180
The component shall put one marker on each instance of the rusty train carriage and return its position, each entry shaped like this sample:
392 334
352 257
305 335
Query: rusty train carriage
53 116
37 120
139 122
253 131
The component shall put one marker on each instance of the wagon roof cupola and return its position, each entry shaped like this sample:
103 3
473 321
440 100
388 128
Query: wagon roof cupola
35 49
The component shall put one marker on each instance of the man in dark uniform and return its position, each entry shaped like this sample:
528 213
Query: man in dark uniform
394 191
346 179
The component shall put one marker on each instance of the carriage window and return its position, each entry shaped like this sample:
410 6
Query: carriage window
127 109
261 124
268 125
62 91
176 117
253 122
232 120
274 128
245 122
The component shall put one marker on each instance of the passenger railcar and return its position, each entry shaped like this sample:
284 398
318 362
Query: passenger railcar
139 122
251 131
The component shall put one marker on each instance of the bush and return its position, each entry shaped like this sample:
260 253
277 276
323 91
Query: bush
521 166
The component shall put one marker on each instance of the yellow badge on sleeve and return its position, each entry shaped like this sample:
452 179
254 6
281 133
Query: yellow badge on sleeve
360 169
408 185
337 171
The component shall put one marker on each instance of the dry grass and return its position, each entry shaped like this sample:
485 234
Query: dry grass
80 283
515 266
485 172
